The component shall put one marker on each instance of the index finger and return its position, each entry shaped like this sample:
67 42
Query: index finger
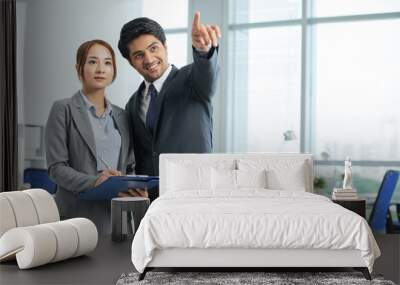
196 21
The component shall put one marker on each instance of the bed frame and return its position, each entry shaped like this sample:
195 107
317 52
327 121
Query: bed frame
242 259
245 258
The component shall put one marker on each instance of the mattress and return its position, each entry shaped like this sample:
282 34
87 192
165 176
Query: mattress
251 219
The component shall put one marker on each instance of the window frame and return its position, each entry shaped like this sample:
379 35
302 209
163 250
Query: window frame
308 94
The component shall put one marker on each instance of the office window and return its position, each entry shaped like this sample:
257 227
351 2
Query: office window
357 90
264 78
347 73
265 88
157 10
329 8
175 26
254 11
177 48
366 179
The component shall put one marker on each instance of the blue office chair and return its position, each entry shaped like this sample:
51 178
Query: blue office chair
38 178
380 219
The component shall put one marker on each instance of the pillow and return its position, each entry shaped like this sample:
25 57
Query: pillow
251 178
182 177
223 179
287 179
282 174
235 179
188 174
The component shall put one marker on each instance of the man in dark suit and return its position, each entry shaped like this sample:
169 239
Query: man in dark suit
171 112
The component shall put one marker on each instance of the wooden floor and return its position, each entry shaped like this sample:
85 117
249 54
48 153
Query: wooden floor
111 259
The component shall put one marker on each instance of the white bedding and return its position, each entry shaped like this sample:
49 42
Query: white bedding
250 218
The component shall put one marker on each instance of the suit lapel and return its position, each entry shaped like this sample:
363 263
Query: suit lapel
81 119
161 96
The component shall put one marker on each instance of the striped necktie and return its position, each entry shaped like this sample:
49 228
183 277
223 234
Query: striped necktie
151 111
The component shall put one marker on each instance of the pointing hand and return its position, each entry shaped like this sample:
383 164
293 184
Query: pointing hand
204 36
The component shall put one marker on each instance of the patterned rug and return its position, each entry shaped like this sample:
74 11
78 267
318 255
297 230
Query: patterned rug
269 278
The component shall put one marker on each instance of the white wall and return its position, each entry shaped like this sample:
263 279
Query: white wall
52 32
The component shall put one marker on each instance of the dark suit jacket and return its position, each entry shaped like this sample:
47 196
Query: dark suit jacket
183 116
71 154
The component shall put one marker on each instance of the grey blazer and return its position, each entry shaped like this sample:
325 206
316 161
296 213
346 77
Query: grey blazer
183 114
71 154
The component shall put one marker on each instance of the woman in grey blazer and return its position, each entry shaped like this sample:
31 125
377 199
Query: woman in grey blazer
87 138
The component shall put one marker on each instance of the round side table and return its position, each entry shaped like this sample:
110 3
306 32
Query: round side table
137 205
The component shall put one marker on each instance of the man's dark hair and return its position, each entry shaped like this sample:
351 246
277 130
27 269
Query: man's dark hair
137 28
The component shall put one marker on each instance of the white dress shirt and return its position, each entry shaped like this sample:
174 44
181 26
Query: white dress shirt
145 98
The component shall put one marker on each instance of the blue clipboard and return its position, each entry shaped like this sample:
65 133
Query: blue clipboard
114 184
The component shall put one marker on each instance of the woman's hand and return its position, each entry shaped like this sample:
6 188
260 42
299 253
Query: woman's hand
134 193
105 174
139 193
